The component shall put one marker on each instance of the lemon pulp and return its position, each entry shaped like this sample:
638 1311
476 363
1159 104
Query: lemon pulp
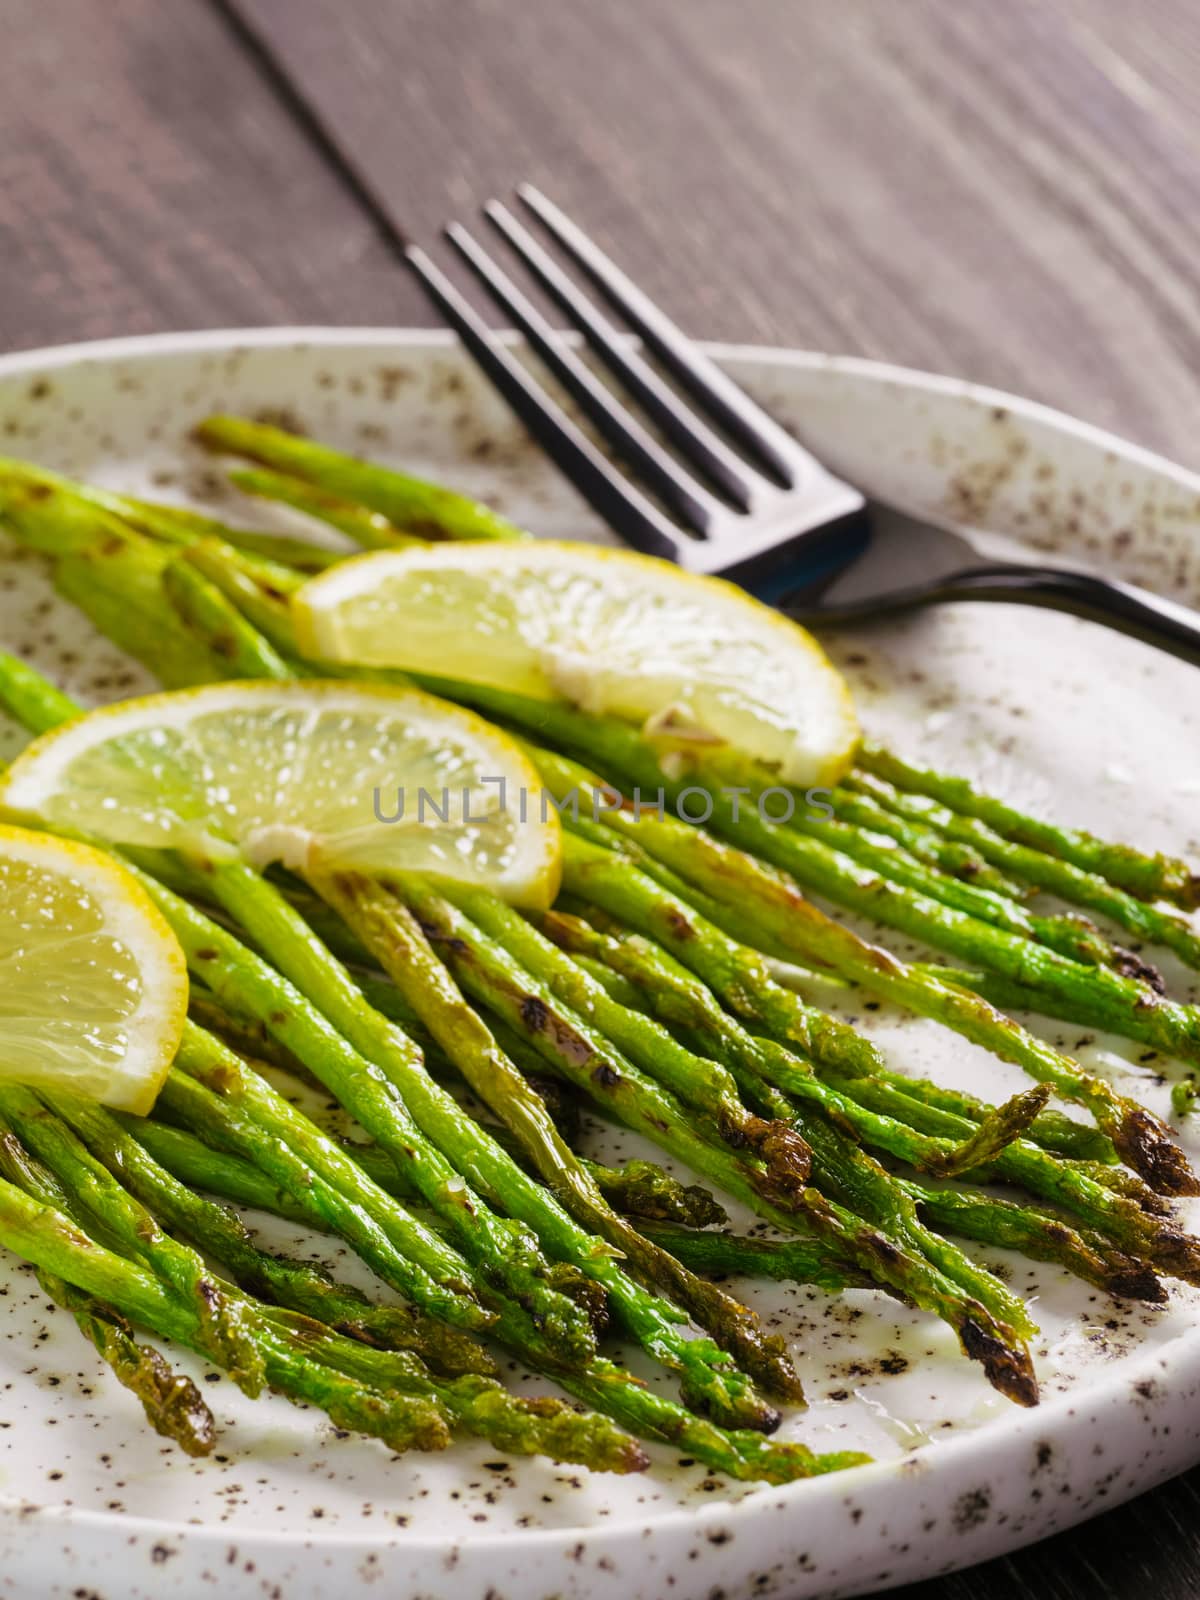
93 984
688 658
312 775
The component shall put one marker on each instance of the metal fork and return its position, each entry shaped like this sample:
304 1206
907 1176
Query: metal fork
752 504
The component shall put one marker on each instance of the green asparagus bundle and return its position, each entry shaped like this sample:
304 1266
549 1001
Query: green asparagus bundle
154 1281
738 1452
709 1380
1120 1003
649 996
892 1264
173 1405
1148 877
671 864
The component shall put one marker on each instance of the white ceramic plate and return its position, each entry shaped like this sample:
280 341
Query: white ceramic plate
1058 714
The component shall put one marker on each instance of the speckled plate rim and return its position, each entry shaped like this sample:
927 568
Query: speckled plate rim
147 346
876 1508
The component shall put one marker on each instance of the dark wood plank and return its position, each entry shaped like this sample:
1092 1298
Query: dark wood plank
149 181
957 187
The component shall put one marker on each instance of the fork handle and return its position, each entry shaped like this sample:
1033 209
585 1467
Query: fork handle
1123 606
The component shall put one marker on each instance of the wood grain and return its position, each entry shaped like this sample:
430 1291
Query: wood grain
963 187
148 181
1152 51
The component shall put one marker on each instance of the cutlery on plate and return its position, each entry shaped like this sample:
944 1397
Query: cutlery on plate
747 501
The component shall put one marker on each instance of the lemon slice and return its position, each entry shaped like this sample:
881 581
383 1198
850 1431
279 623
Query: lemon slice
312 775
691 659
93 984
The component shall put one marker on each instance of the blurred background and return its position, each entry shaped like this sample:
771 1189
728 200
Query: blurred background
1006 191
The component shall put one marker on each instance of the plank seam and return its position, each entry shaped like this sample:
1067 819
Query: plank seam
259 47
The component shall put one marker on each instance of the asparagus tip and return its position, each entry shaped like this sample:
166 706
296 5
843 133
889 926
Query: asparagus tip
548 1426
1131 965
1134 1280
174 1406
746 1412
1008 1367
995 1133
777 1369
787 1157
785 1463
591 1297
1146 1145
1177 1254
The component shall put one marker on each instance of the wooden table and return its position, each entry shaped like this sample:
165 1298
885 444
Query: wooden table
1008 190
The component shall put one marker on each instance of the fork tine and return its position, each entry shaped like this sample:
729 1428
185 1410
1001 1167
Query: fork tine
706 449
638 521
690 499
730 405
